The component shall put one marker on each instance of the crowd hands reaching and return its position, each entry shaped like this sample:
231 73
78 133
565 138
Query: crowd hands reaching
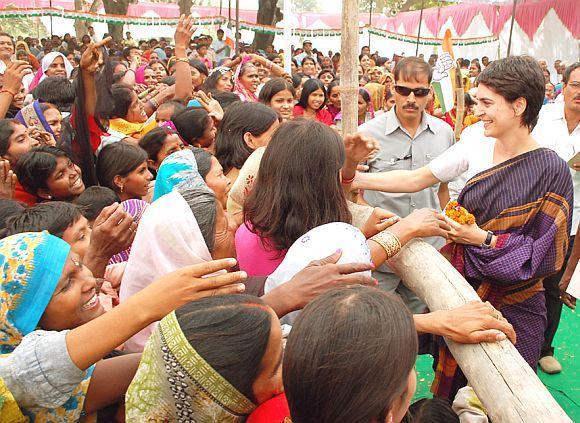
179 183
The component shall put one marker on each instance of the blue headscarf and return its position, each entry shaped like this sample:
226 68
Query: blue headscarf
178 170
30 266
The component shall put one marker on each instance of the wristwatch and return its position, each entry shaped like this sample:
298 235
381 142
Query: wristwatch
487 243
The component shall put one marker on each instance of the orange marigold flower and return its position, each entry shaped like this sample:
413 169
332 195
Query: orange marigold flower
459 214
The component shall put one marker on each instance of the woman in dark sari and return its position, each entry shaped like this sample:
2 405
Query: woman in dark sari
521 196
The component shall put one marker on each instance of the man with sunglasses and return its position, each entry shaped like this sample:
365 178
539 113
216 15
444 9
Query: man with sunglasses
409 139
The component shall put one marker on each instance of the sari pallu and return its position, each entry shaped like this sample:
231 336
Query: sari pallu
527 202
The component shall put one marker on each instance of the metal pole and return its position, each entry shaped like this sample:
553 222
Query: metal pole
229 13
287 35
419 31
512 28
50 5
370 22
221 1
237 26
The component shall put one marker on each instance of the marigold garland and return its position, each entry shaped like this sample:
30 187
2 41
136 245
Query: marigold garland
459 214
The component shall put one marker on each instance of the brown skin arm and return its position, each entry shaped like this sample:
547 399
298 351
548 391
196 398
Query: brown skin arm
110 380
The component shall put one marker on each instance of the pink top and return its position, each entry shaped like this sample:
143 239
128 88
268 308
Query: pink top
252 257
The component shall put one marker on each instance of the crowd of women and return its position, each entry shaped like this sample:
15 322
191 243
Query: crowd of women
164 224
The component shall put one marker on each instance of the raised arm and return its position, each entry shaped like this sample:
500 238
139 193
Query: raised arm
397 180
12 82
183 32
91 59
90 342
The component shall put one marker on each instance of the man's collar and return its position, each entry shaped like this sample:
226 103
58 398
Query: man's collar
393 123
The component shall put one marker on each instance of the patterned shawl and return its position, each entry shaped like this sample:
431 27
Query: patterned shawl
178 170
527 202
135 208
31 265
174 383
31 116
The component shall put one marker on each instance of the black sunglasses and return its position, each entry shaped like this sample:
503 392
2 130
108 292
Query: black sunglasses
406 91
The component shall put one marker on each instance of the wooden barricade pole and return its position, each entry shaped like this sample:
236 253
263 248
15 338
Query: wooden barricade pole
506 385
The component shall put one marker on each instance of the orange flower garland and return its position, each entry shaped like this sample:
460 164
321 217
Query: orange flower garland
456 212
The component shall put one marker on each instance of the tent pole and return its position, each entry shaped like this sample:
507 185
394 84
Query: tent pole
348 66
238 27
419 30
370 21
511 28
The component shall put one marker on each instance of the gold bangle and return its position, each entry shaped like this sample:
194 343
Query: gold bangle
389 242
182 59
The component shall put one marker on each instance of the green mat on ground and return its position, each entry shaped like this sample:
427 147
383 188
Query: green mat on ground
565 386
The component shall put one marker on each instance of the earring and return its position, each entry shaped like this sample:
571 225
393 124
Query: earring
50 197
122 188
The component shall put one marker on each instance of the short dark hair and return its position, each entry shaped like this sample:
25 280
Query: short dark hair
203 159
203 203
465 62
273 87
231 149
153 141
308 58
191 123
323 71
568 71
200 66
225 98
431 410
517 77
360 321
127 51
8 208
231 333
122 96
309 87
211 81
94 199
35 167
412 68
119 158
53 216
57 90
306 196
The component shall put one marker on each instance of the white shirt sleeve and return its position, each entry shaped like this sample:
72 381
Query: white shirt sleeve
452 163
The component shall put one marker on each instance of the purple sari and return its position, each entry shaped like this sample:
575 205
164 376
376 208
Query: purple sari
527 202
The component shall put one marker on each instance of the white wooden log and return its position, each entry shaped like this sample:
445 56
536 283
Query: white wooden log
349 67
506 385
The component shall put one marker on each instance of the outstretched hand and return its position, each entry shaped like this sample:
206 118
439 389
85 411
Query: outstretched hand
7 180
184 31
360 147
212 106
191 283
378 221
321 276
92 57
14 74
475 322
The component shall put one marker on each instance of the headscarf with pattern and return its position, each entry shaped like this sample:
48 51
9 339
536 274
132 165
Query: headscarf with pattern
174 383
